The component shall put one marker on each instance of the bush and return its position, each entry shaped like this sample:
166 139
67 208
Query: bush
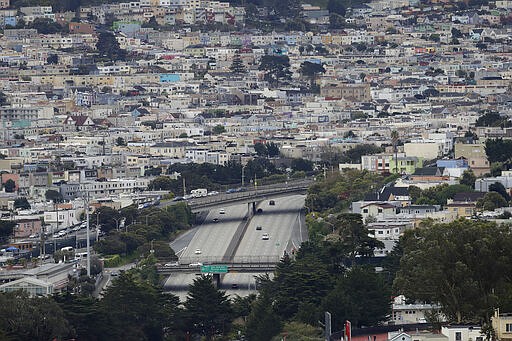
112 261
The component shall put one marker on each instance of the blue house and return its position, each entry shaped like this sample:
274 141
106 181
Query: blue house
169 77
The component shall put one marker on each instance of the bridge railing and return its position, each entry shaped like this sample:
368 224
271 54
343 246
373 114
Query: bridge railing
238 260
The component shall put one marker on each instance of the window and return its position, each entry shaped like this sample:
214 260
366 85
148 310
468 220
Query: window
508 327
458 336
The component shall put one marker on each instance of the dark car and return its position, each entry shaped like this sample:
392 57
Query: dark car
271 202
258 228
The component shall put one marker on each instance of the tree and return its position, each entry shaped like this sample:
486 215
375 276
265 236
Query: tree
120 141
152 23
108 47
498 150
311 70
3 99
261 149
6 229
263 323
21 203
53 195
272 149
207 310
107 217
500 189
238 66
25 318
218 129
491 201
468 178
493 119
52 59
302 165
161 183
276 68
462 265
336 6
360 296
45 26
10 186
136 310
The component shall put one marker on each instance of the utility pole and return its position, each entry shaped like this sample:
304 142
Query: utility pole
57 228
184 187
86 201
243 175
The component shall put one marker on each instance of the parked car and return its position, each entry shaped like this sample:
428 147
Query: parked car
222 211
215 220
271 202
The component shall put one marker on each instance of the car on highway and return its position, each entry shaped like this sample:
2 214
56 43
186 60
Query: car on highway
215 220
265 236
171 264
231 190
197 252
195 264
178 199
258 228
222 211
212 193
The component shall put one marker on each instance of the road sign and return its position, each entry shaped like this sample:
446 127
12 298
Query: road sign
214 269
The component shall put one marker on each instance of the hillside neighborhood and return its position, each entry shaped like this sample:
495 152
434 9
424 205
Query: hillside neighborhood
109 109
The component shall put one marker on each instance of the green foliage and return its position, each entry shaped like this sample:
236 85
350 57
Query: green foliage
276 68
263 323
353 155
499 188
160 183
437 195
301 332
136 310
112 261
462 265
21 203
238 66
207 310
360 296
337 191
491 201
25 318
10 186
107 217
108 47
498 150
6 229
493 119
120 141
302 165
468 178
52 195
45 26
218 129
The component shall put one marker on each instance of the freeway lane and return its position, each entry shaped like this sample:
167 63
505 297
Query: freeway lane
279 221
213 238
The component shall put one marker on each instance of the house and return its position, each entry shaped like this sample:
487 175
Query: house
429 174
463 333
406 313
32 285
502 325
27 227
80 122
379 208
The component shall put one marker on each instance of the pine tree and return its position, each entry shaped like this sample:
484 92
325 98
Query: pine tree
263 323
238 66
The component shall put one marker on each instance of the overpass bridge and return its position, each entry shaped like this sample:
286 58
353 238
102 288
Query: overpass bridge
250 197
257 265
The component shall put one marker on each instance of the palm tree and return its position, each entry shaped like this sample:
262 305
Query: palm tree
394 140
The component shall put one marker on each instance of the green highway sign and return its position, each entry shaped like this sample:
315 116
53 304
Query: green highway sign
214 269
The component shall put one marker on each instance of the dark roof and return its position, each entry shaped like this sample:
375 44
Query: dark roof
429 171
468 196
385 193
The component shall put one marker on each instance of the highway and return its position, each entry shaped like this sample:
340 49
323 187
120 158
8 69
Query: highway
282 221
213 238
278 221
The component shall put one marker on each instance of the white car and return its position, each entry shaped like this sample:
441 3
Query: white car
171 264
222 211
265 236
197 252
195 264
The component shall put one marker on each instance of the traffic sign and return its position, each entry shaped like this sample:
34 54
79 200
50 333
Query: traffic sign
214 269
